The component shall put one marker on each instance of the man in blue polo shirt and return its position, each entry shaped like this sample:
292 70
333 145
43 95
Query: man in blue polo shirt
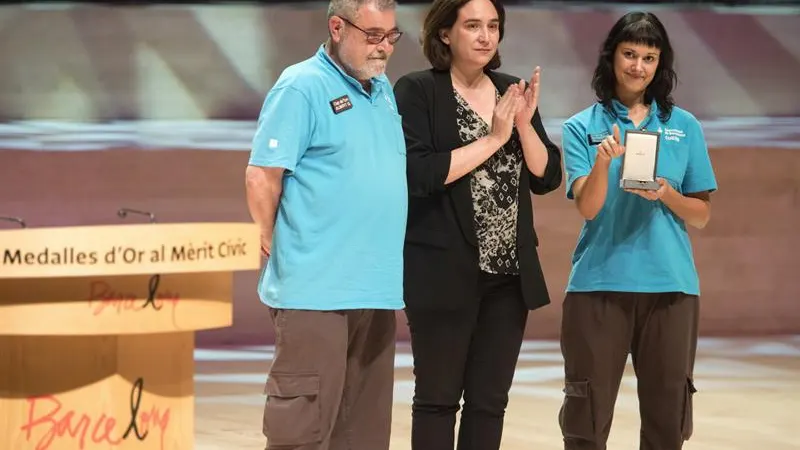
326 183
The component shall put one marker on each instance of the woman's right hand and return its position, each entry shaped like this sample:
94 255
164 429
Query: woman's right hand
610 147
504 112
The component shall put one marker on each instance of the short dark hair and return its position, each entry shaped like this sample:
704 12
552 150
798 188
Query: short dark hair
443 14
637 28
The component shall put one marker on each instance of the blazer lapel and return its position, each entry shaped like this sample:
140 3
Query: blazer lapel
447 139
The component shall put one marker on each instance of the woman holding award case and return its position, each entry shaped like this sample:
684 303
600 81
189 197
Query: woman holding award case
633 288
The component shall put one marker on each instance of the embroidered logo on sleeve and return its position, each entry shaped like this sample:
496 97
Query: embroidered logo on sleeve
389 102
341 104
273 143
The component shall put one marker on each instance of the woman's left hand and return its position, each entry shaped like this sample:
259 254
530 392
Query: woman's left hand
652 195
530 99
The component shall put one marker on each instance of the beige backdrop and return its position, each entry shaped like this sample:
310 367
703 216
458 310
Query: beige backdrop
747 256
195 62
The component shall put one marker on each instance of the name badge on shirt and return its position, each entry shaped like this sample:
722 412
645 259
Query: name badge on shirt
597 138
341 104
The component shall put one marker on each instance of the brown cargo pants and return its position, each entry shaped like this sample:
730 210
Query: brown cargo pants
598 331
331 382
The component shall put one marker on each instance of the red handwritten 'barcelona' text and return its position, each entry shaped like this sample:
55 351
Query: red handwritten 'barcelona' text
103 297
49 422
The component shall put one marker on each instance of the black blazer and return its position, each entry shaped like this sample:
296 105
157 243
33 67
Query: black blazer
441 247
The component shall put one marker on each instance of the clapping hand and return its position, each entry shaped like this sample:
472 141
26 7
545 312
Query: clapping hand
505 112
530 99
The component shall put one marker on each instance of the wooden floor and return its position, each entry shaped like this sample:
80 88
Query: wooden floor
748 398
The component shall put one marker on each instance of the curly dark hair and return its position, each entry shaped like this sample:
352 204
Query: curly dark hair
443 14
642 28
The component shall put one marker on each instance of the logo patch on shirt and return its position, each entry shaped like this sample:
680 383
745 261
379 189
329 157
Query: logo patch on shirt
673 134
341 104
597 138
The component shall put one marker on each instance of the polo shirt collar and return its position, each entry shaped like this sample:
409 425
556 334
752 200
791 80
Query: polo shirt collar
377 82
620 110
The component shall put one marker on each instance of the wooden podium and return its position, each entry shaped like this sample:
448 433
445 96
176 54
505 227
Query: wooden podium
97 330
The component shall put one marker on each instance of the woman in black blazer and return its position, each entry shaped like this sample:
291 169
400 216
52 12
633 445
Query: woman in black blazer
476 150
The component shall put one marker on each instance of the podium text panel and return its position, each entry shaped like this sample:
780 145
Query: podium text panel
129 249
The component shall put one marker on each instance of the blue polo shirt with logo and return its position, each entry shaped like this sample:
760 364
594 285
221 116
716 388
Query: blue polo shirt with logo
634 244
341 220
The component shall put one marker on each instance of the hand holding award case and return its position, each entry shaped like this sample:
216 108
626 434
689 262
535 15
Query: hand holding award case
639 160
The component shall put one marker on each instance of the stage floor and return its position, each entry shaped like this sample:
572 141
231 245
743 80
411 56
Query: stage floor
748 397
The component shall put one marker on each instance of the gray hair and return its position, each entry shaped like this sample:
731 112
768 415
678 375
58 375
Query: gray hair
349 8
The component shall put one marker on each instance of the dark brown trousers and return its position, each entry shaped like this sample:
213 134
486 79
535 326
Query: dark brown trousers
331 382
598 332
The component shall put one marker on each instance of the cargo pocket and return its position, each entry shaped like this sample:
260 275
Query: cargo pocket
292 415
576 417
687 426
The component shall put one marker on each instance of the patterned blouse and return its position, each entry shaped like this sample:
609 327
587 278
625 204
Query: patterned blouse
495 189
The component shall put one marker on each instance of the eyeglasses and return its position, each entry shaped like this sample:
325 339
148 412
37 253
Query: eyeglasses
375 37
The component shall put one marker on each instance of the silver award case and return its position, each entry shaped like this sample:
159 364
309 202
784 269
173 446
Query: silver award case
645 182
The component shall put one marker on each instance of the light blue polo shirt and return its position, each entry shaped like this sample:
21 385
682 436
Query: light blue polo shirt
341 220
634 244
